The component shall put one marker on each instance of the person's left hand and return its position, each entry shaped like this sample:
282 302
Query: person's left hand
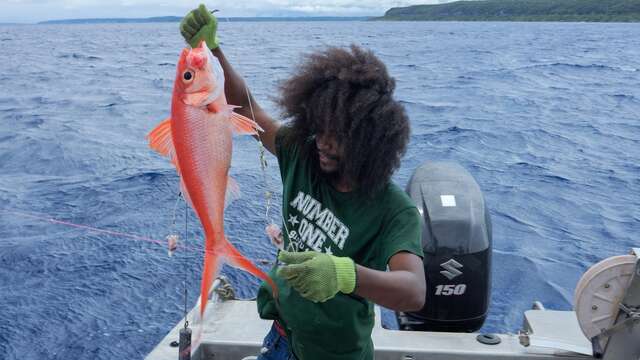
199 24
316 276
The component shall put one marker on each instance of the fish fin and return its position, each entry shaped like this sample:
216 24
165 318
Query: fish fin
236 259
242 124
161 141
233 192
160 138
196 99
209 272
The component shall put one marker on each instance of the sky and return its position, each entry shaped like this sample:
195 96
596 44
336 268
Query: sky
29 11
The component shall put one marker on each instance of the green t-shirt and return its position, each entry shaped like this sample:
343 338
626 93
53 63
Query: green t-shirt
317 217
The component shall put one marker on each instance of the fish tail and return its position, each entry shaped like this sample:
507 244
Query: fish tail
209 271
238 260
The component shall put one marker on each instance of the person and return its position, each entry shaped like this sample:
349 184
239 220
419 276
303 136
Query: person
344 221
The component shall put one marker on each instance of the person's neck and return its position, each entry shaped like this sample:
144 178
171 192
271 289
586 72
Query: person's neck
341 184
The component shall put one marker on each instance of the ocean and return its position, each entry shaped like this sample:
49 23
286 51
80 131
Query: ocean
545 116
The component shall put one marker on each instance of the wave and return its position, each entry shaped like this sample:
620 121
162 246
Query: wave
513 219
526 165
6 100
7 138
478 51
79 57
557 178
145 177
433 108
542 134
623 97
580 66
162 84
29 121
43 100
9 109
458 130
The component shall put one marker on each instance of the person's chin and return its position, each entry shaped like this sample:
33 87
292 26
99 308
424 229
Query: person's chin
328 167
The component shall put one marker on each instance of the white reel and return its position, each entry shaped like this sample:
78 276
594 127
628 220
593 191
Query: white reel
600 291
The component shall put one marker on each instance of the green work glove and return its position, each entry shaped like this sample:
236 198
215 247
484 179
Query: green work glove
200 24
317 276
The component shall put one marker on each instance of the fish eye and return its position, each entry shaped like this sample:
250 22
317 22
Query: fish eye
188 76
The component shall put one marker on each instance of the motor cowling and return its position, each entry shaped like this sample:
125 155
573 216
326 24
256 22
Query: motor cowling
457 244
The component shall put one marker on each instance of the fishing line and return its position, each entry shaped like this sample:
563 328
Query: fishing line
52 220
172 226
268 194
263 162
184 262
163 243
293 243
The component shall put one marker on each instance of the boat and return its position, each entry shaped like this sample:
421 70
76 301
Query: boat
604 324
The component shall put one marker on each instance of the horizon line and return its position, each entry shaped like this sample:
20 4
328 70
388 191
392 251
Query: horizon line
173 17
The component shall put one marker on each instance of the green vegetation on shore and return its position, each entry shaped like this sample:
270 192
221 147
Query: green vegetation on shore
521 10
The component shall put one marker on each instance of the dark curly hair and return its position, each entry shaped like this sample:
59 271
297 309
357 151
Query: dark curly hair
348 93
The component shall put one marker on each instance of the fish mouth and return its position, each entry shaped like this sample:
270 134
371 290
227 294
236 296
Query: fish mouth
196 91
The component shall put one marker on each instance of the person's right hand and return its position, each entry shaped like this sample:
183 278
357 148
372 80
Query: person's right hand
199 24
317 276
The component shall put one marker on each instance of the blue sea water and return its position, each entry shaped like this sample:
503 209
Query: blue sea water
546 117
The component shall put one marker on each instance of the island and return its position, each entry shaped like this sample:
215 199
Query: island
521 10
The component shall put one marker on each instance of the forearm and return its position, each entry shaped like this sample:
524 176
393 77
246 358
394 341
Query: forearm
238 93
398 290
235 88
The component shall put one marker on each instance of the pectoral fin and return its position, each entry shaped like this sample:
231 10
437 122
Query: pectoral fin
242 124
161 141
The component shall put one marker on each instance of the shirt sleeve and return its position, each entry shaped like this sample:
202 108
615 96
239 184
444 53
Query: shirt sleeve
402 233
285 150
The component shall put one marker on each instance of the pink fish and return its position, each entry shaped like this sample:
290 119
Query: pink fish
197 139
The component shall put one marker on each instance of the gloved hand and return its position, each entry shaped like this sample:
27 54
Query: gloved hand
200 24
317 276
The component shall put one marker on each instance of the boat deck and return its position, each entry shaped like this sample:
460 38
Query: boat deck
235 332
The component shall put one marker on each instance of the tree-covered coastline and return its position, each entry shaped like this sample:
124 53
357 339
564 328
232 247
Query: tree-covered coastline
521 10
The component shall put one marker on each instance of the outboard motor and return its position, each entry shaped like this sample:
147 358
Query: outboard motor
457 247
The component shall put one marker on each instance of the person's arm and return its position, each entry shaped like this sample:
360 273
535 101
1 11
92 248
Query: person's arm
319 277
236 92
198 25
402 288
